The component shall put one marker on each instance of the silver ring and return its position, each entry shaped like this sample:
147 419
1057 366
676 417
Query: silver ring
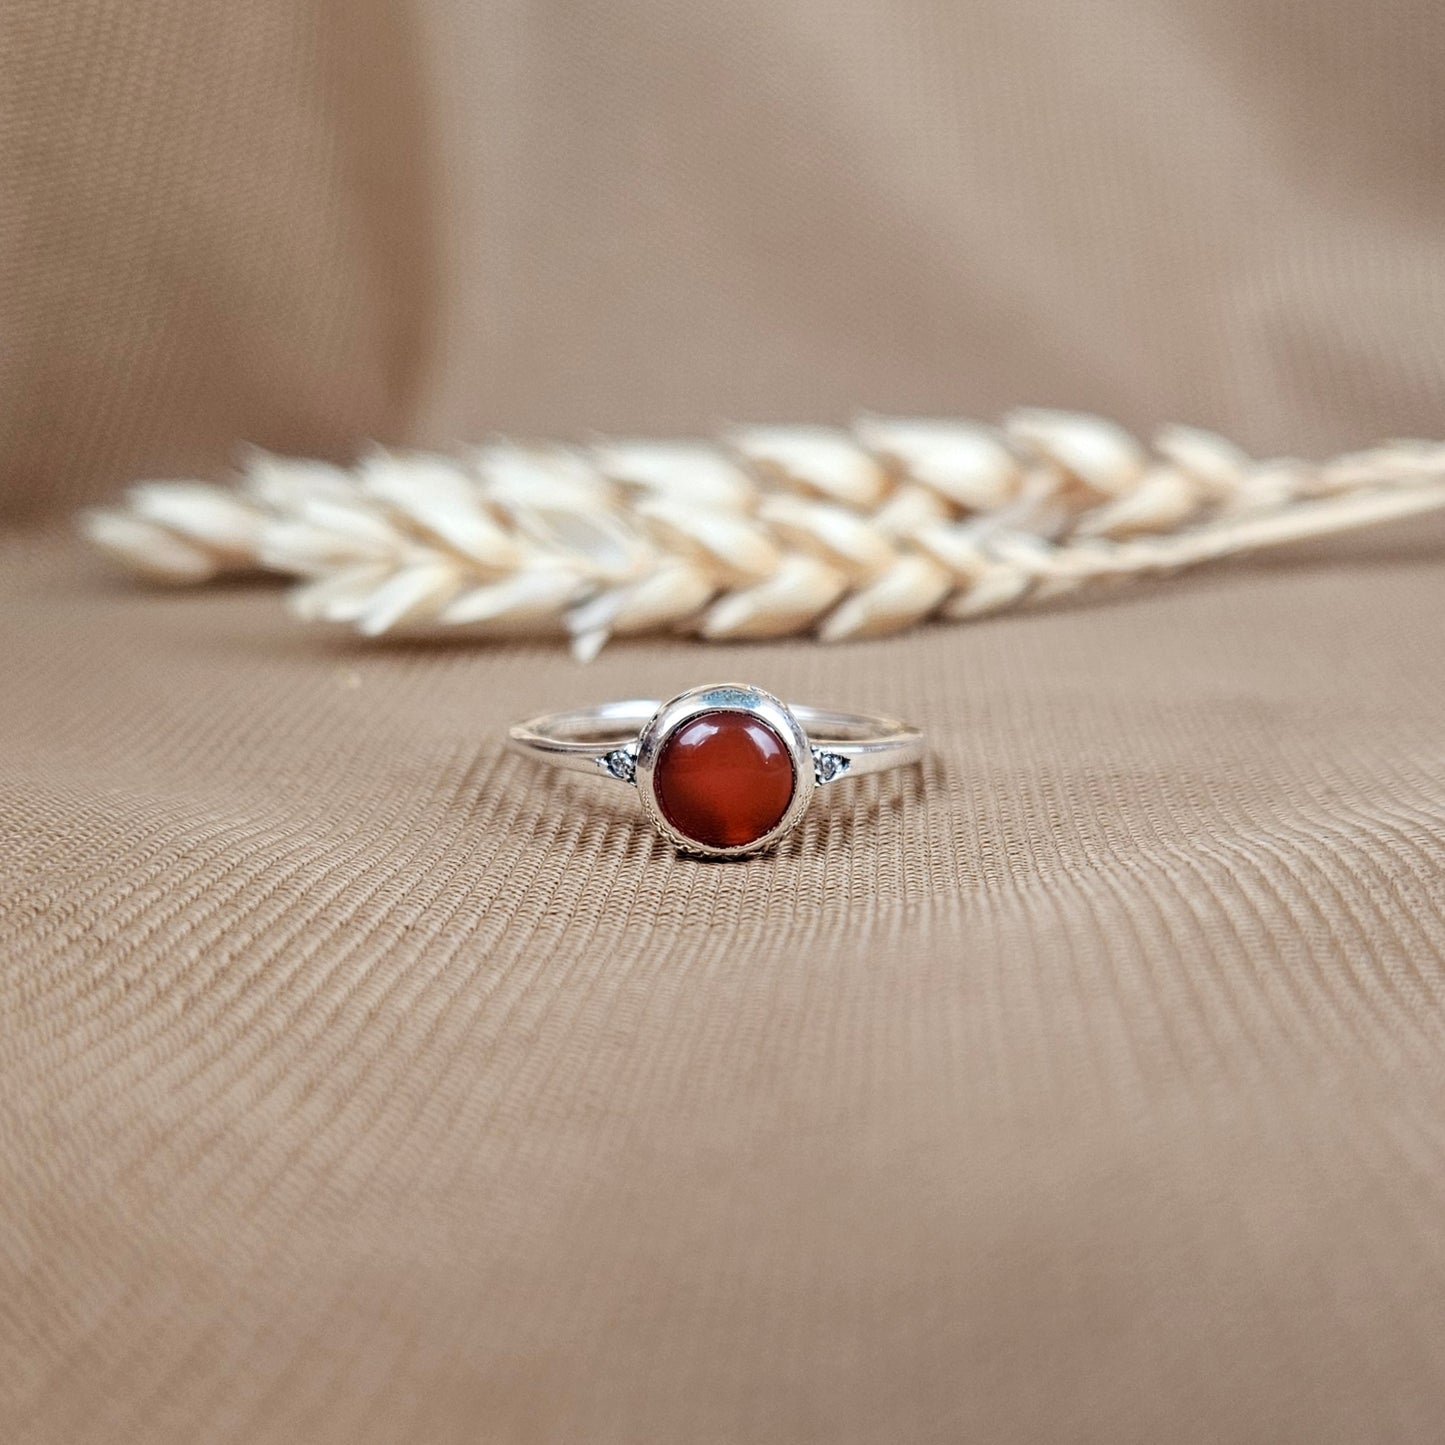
723 770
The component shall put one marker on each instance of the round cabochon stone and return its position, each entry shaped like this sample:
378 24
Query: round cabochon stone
724 779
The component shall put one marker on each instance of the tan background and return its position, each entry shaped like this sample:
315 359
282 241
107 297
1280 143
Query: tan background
301 222
359 1084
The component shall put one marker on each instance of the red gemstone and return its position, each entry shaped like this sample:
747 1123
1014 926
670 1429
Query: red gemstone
724 779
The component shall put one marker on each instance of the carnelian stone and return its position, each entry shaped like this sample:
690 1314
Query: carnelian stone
724 779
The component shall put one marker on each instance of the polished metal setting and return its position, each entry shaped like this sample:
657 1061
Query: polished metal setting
728 698
624 740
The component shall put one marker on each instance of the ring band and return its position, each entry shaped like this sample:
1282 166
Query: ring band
723 770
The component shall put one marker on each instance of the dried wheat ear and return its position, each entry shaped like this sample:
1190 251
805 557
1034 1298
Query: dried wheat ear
770 531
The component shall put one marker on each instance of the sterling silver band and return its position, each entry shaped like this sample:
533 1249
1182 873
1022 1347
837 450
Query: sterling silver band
624 741
583 739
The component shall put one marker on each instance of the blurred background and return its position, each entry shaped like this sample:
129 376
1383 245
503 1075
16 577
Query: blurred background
360 1086
308 223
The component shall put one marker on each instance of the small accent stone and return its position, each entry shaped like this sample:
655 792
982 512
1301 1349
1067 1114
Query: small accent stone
621 764
827 766
724 779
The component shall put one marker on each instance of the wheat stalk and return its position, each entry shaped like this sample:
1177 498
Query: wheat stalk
768 532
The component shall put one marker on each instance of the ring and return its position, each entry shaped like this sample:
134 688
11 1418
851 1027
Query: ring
723 770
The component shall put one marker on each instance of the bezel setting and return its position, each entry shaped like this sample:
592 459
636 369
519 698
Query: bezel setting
772 712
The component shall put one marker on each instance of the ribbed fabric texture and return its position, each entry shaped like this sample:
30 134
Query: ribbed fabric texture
362 1083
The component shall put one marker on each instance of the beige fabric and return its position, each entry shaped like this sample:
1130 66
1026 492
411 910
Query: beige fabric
302 222
359 1083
